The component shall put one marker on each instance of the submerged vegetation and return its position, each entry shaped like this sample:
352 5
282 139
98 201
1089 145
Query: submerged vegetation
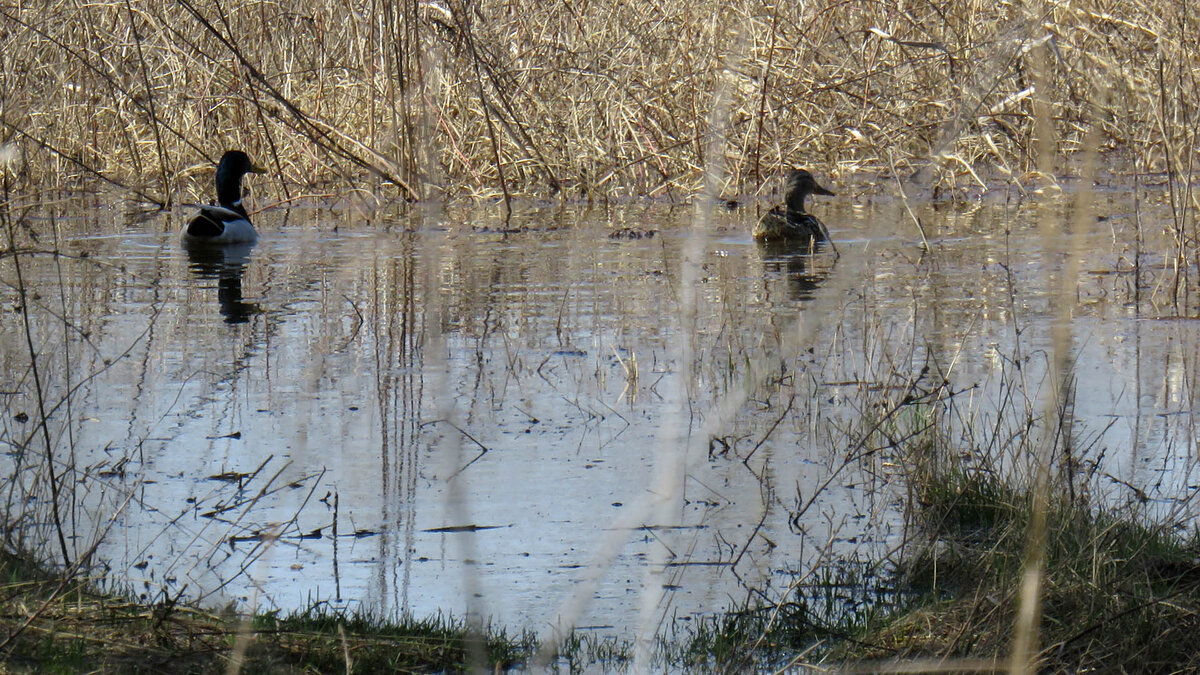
1120 594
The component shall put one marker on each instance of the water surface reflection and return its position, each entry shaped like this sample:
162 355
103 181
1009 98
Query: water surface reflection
226 264
424 412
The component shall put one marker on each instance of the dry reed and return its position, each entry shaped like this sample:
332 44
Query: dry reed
429 99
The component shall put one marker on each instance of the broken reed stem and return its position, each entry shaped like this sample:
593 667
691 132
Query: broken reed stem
39 394
1029 593
1179 278
762 101
163 164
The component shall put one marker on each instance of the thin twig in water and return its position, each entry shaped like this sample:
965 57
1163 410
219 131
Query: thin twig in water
483 449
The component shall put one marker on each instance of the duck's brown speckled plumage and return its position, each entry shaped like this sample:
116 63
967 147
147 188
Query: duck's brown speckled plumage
789 222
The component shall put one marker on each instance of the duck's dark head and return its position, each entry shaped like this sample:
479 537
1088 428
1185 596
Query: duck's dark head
233 165
801 184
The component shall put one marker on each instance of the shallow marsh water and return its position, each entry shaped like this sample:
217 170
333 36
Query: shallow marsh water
414 412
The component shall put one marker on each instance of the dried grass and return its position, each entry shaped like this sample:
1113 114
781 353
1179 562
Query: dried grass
591 98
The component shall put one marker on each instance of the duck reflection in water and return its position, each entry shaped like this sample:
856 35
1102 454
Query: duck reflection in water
802 271
226 264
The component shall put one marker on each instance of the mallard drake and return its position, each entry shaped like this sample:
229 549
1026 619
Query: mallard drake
227 222
789 222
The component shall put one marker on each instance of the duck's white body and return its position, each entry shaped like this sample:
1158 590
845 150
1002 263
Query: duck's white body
219 225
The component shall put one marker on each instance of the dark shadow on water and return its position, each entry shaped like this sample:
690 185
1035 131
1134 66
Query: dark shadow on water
225 263
803 269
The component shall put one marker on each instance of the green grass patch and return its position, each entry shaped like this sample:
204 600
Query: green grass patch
823 609
61 625
1117 595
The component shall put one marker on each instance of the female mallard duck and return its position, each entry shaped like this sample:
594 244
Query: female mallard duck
790 223
228 222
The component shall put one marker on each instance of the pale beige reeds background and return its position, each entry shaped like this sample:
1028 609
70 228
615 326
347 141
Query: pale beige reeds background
594 98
